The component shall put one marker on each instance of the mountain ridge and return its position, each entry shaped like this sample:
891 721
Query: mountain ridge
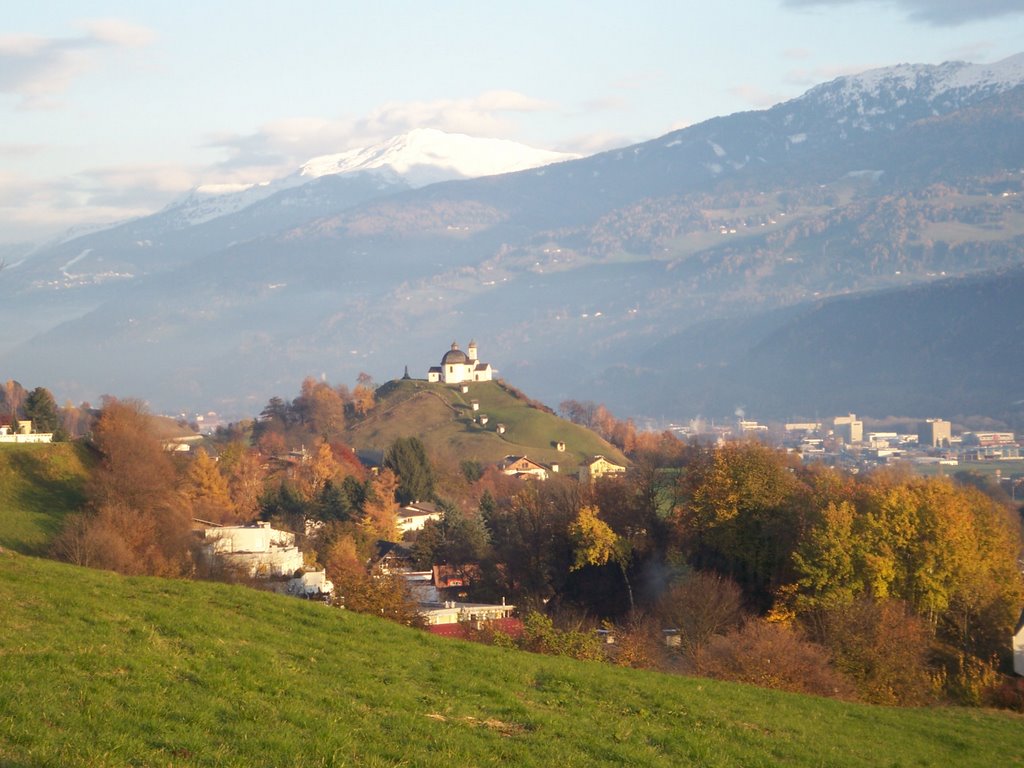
565 270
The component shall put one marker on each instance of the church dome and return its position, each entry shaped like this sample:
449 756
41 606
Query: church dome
454 356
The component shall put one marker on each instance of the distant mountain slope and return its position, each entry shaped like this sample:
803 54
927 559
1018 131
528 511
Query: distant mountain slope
887 179
947 348
213 217
442 417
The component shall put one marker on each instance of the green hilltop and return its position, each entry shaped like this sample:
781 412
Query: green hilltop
103 670
442 417
40 484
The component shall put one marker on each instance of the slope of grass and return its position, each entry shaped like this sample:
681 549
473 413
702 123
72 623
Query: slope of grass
100 670
39 486
443 418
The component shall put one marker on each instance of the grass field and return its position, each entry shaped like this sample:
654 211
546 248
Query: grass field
102 670
39 486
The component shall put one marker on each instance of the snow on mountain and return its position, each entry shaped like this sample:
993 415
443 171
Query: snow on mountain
426 155
422 156
996 77
211 201
887 97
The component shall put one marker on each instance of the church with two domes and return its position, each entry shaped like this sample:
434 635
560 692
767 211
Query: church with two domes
458 367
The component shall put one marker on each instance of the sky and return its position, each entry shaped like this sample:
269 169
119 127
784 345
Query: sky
110 110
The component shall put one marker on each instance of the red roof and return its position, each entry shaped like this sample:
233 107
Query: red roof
513 627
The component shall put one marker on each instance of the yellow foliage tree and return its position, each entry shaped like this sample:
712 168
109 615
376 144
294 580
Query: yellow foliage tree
597 544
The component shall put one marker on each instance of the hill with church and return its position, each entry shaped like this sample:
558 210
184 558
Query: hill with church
482 421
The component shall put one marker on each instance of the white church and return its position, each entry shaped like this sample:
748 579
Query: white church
458 367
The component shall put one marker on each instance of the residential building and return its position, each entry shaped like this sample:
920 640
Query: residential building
413 516
523 466
599 466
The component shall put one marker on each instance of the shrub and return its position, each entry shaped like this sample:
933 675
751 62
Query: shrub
771 655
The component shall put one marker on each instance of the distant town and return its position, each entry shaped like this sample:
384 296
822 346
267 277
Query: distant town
843 442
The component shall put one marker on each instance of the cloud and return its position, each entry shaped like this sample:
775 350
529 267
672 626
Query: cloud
38 68
283 145
134 186
606 104
119 33
36 209
938 13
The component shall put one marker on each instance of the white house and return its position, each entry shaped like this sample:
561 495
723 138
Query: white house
451 612
523 466
599 466
310 584
258 551
413 516
24 434
1018 646
457 367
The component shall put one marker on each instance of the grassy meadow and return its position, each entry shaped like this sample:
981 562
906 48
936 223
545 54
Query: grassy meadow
39 486
102 670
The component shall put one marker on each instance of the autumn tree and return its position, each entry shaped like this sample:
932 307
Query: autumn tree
320 469
13 398
136 521
364 396
700 606
596 544
379 508
245 476
358 590
947 552
207 489
772 655
882 646
320 408
530 536
741 512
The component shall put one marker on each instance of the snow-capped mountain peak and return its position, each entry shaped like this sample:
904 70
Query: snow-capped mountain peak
886 98
933 80
417 158
427 155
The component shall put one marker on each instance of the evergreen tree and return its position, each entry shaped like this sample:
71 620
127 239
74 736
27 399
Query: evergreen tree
407 458
42 409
